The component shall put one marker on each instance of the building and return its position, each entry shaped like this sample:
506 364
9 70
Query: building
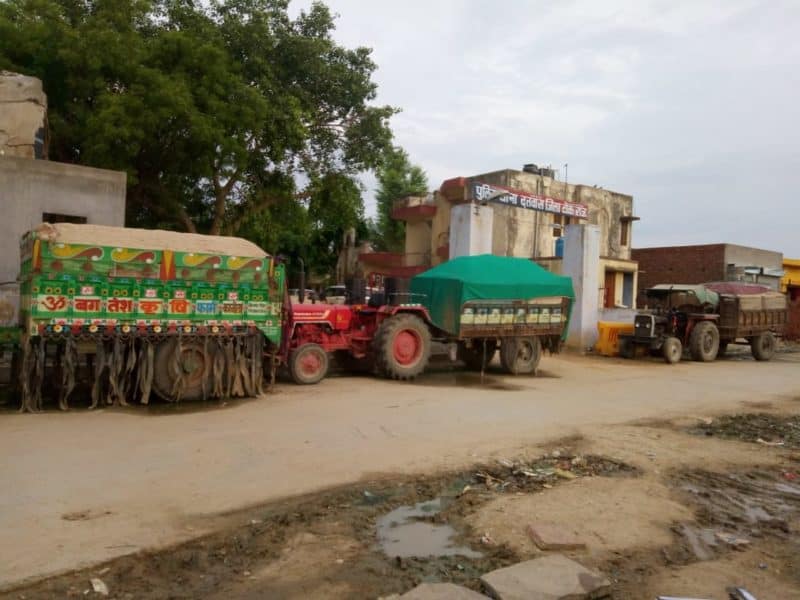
790 284
514 213
708 262
33 191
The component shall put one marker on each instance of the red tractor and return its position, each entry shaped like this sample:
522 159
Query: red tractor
396 340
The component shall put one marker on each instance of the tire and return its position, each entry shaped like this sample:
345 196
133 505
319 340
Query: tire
763 346
473 357
195 362
520 355
308 364
704 341
626 348
402 347
672 350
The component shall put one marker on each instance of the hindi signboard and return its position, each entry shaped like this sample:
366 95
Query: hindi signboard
499 194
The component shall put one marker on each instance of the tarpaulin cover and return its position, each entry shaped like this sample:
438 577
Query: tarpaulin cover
445 288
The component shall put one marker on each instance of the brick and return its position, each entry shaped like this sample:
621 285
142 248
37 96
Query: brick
441 591
549 536
552 577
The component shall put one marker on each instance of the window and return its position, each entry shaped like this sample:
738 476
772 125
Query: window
560 222
59 218
623 232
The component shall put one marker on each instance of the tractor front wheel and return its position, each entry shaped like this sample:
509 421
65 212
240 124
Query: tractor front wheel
520 355
402 347
672 350
308 364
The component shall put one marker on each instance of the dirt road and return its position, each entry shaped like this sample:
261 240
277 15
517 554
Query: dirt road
83 487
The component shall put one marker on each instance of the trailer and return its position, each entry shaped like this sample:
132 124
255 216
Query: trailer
128 312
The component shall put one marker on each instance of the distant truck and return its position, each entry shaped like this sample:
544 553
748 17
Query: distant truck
705 321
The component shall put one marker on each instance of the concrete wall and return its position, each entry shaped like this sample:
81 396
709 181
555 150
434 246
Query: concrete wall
418 249
582 264
29 188
471 230
23 116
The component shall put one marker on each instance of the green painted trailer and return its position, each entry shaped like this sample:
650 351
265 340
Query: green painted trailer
188 316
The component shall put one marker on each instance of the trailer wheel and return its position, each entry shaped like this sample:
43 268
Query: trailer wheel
520 355
308 364
182 370
475 357
402 346
763 346
672 350
704 342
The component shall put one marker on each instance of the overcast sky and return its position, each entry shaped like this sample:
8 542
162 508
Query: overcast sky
693 108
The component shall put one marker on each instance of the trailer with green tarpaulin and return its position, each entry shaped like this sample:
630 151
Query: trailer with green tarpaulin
487 302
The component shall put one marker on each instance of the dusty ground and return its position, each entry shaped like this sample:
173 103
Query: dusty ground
100 485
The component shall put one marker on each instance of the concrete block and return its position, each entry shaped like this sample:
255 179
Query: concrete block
441 591
549 536
553 577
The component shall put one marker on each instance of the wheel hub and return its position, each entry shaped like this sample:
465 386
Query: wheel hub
406 347
310 363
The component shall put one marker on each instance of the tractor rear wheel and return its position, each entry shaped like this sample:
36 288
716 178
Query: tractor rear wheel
763 346
182 369
308 364
672 350
520 355
402 346
477 356
704 341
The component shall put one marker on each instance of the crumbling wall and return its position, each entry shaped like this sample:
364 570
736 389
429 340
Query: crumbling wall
23 116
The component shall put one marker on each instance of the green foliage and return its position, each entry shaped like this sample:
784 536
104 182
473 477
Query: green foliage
214 109
313 229
397 178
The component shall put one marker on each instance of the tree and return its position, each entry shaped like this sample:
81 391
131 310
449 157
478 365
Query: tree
397 178
214 109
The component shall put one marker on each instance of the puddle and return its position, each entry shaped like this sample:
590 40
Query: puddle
404 533
467 379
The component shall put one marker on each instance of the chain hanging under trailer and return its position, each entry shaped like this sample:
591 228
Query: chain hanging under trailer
127 368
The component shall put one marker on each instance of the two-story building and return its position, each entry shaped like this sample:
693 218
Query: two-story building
514 213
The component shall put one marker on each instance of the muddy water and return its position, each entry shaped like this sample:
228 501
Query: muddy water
404 533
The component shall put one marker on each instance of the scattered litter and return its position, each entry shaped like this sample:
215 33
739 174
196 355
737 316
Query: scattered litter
255 521
678 598
556 453
487 540
339 561
506 463
246 573
565 474
740 594
104 571
464 490
99 586
762 566
731 540
789 476
766 443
